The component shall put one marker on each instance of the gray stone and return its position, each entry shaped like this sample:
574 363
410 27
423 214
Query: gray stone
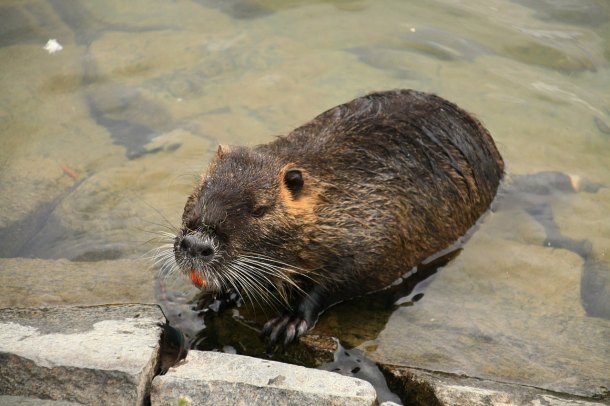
36 282
214 378
92 355
23 401
418 387
460 395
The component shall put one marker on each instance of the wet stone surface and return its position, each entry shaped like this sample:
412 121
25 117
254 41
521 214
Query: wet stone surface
120 210
417 387
540 335
36 282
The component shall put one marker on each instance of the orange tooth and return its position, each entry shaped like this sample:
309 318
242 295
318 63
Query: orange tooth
197 279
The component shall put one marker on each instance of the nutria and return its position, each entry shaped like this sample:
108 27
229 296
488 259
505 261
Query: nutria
342 206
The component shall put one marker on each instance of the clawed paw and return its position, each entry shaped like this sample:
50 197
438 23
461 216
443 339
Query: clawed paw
284 329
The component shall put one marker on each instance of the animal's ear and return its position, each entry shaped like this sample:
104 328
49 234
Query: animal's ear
293 180
299 192
222 150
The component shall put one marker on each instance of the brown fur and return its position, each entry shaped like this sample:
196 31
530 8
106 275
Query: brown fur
387 180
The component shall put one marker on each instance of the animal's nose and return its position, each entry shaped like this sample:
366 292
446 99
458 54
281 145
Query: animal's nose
197 248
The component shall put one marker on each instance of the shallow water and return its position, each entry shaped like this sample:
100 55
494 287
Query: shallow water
102 141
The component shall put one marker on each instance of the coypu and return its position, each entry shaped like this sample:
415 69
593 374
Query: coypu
342 206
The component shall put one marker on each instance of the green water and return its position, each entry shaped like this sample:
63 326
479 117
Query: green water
103 140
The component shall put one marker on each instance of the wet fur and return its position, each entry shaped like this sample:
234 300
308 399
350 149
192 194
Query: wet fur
388 180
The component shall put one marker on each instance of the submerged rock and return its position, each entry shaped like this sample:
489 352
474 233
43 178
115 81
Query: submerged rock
525 325
36 282
113 213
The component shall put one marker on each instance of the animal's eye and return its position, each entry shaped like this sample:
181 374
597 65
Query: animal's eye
259 211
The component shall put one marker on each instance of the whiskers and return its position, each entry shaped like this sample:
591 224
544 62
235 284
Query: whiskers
266 280
261 280
163 255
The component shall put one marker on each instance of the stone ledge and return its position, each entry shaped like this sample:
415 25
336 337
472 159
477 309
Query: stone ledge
213 378
92 355
23 401
419 387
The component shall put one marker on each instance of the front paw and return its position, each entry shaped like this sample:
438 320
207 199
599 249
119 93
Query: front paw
284 329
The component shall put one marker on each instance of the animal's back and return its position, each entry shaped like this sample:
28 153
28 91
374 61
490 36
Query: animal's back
402 175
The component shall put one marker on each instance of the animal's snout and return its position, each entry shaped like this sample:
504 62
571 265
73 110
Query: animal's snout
195 247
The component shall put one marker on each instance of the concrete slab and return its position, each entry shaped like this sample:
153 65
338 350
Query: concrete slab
93 355
434 389
213 378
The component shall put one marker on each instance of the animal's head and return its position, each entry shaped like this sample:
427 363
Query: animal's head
245 226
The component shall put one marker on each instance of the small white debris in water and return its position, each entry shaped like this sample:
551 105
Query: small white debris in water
412 29
53 46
